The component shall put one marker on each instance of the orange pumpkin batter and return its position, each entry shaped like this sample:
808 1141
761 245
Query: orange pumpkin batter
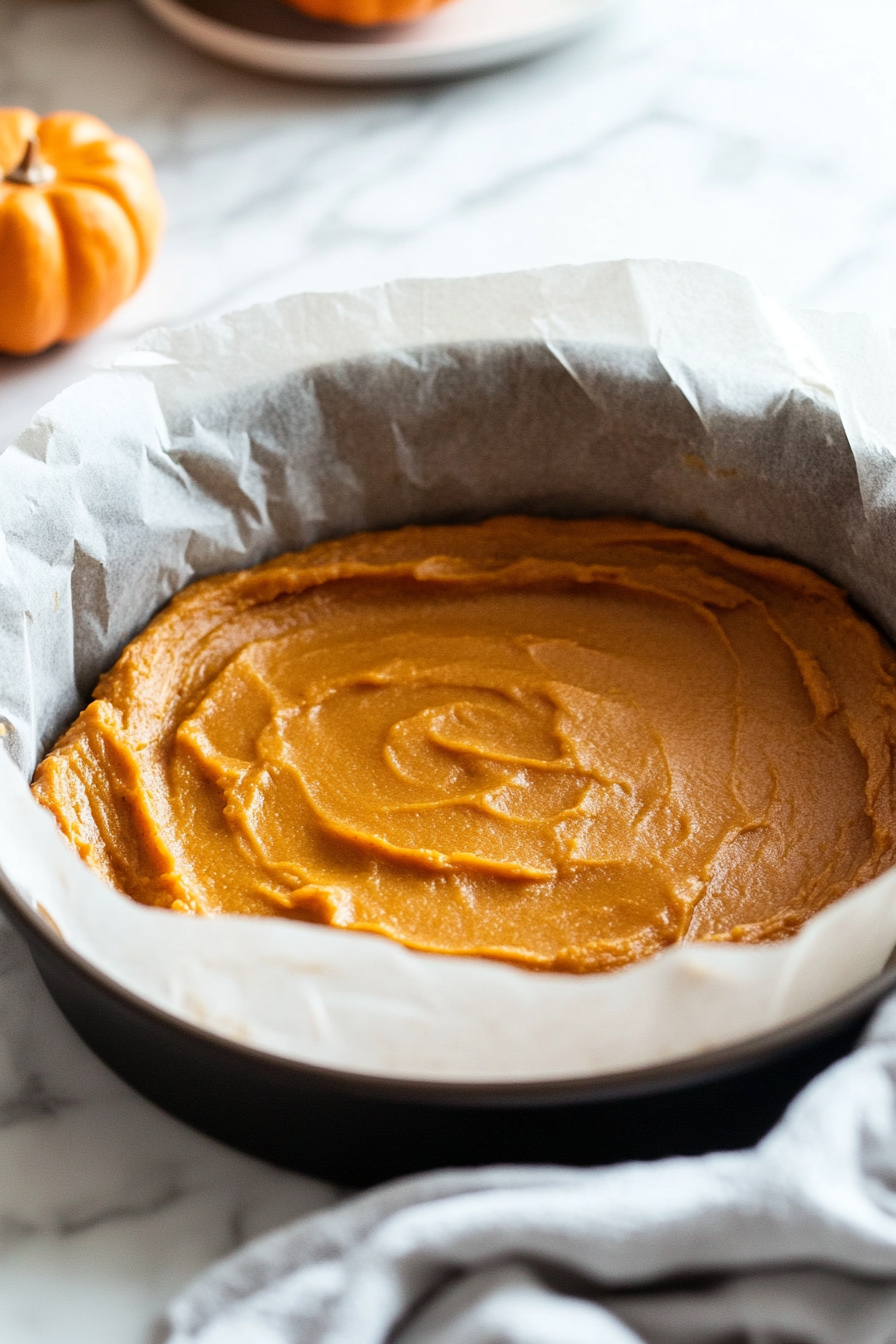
561 744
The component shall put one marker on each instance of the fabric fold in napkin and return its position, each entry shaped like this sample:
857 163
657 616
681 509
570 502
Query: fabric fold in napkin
793 1242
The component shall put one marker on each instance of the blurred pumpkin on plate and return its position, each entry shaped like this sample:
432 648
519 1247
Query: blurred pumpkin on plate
80 222
366 13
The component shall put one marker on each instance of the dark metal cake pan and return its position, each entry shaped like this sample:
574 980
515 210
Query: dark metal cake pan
356 1129
571 428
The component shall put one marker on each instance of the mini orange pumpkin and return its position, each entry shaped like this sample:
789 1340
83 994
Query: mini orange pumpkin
80 221
366 13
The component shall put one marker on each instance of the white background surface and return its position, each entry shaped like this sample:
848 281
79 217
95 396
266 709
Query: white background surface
760 136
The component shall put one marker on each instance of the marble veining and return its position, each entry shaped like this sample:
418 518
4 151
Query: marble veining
760 136
106 1204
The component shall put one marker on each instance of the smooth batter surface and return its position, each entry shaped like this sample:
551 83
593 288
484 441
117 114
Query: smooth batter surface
563 744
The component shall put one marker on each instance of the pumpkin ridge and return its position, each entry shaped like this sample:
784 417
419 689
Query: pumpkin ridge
101 274
36 272
145 239
128 187
60 131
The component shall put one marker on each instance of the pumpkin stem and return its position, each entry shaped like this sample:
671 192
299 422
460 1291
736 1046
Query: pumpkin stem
33 171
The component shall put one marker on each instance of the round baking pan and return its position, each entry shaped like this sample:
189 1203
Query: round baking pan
479 405
357 1130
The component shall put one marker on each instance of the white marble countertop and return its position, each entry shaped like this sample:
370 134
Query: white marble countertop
760 136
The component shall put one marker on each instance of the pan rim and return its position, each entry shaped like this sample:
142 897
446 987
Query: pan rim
667 1076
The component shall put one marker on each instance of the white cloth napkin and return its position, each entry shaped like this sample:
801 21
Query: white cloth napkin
793 1241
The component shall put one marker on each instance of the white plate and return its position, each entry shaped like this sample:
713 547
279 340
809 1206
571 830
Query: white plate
465 35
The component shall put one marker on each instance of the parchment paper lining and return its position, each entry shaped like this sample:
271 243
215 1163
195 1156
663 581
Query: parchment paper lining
666 390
